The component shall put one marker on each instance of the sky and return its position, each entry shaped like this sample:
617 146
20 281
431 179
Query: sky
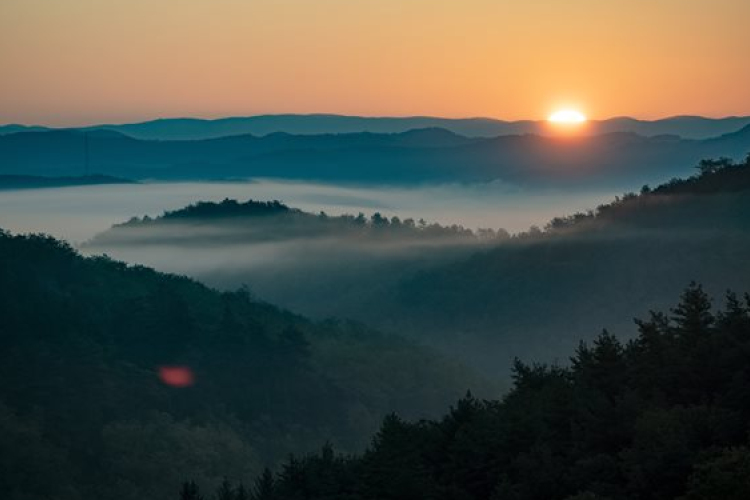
75 62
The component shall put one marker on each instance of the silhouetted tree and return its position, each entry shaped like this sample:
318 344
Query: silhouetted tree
225 491
265 486
190 491
241 493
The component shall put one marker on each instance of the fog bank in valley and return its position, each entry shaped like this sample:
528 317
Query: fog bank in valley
78 213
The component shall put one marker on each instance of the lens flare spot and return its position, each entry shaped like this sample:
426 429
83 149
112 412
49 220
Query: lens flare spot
176 376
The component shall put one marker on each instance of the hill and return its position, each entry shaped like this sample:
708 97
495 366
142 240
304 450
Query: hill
417 156
486 299
36 182
231 222
533 295
115 379
483 296
281 251
688 127
663 417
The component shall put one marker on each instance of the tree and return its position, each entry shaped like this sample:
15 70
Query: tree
190 491
265 486
634 420
241 493
395 468
725 476
225 491
693 314
711 166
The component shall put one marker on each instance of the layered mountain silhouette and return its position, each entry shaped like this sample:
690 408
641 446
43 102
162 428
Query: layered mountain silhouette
689 127
527 295
35 181
415 156
87 346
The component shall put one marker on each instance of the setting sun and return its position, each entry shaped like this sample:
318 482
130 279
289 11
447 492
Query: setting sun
567 116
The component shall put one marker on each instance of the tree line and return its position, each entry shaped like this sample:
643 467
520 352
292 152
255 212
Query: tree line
115 379
663 416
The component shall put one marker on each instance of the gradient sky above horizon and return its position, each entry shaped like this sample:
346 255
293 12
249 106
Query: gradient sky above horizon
74 62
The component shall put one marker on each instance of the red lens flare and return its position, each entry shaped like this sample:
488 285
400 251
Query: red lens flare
176 376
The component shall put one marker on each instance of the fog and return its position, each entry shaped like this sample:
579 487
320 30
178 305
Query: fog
480 298
78 213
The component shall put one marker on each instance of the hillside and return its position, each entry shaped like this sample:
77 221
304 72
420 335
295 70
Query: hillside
663 417
115 379
231 223
485 297
533 295
322 263
417 156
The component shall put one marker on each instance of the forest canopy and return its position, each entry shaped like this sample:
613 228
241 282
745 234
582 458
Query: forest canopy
116 379
663 416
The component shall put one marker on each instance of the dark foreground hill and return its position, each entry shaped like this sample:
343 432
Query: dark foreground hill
663 417
114 380
416 156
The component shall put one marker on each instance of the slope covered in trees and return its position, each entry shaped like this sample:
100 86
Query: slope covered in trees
661 417
485 296
324 264
114 380
232 222
534 293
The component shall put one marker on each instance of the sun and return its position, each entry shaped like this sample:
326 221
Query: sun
567 117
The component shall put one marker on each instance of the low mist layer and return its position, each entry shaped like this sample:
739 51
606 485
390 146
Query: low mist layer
485 299
77 214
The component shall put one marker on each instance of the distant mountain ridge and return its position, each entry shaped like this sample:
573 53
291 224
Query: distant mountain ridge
416 156
688 127
35 182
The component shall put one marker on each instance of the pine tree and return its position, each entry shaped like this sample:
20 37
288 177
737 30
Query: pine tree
190 491
225 491
692 315
695 345
265 486
241 493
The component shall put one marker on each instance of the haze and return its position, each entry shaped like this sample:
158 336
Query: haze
73 62
77 214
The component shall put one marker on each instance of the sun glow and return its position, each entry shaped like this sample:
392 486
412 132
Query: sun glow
567 117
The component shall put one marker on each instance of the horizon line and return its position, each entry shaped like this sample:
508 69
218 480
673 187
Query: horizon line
373 117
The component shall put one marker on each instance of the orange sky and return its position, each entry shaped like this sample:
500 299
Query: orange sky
71 62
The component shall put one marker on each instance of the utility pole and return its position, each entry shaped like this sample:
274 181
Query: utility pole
86 153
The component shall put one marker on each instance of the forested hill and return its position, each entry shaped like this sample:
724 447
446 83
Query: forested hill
663 417
718 177
531 294
230 221
534 294
115 380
